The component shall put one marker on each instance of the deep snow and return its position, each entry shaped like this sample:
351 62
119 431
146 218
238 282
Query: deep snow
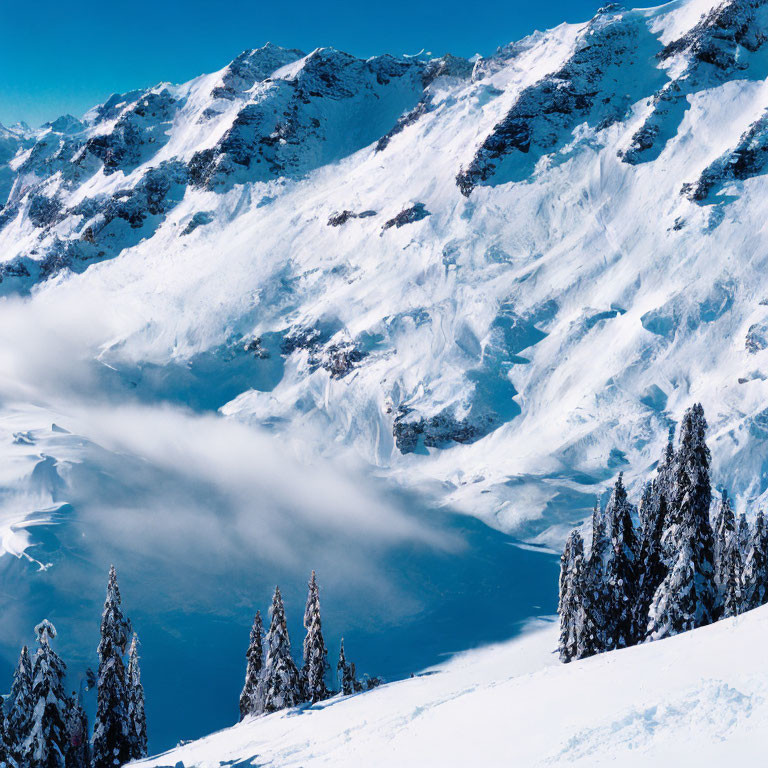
698 699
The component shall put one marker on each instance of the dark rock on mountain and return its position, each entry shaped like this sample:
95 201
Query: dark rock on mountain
339 219
614 46
416 212
747 159
719 45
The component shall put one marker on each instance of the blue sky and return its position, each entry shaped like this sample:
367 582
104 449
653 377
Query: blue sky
58 57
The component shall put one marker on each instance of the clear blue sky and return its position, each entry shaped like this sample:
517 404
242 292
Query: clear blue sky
58 56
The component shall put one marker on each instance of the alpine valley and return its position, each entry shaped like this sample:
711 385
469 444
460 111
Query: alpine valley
399 320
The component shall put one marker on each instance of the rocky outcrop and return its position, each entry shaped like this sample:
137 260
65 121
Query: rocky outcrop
138 133
296 123
409 215
411 431
614 45
721 44
339 219
747 159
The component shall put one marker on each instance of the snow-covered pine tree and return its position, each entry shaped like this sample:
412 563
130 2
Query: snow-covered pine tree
356 684
20 708
620 570
652 565
315 666
745 536
251 697
111 732
731 593
47 736
78 746
755 573
570 604
686 598
594 591
724 530
345 673
137 720
665 472
281 685
6 756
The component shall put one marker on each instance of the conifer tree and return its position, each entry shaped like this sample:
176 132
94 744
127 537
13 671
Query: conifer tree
594 591
6 755
745 537
731 593
78 746
725 562
686 597
111 733
570 605
20 708
755 574
251 697
281 688
653 515
47 736
137 720
345 672
665 475
652 565
620 570
315 666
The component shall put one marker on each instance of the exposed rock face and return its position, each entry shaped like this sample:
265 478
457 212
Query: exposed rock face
411 432
720 45
747 159
339 219
296 122
757 338
614 46
416 212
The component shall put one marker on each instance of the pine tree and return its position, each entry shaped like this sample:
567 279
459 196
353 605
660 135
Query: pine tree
251 697
594 590
665 474
745 537
620 570
137 720
6 756
315 666
686 597
653 514
47 736
731 593
281 678
652 566
20 708
724 528
111 733
570 605
345 673
755 574
78 747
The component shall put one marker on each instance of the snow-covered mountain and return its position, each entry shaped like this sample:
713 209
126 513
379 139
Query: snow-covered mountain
269 319
698 699
500 279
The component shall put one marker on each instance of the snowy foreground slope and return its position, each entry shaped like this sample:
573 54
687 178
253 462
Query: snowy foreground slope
697 699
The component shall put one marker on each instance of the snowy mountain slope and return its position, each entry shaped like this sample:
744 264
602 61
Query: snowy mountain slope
695 699
500 281
486 286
